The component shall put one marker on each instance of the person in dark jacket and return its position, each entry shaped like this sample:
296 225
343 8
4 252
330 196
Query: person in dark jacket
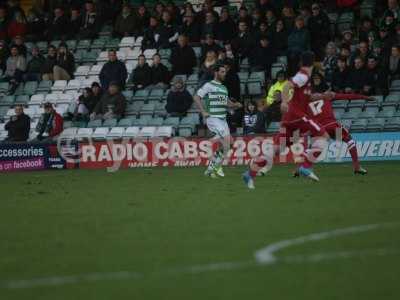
34 66
58 26
91 22
183 58
377 77
226 29
280 38
232 80
75 22
262 57
318 83
112 104
19 126
190 28
4 53
254 120
243 43
141 75
319 27
49 63
209 45
151 35
97 93
125 24
85 106
298 42
179 100
340 76
113 70
168 33
65 64
160 75
358 78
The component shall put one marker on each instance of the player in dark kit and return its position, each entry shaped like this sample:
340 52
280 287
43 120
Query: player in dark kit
296 96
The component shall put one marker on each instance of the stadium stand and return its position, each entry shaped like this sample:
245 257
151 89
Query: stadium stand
145 115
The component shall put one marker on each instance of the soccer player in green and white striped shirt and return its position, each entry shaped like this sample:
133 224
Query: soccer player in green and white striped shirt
216 99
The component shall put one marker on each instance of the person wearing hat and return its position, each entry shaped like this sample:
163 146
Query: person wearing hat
50 124
111 105
348 38
179 100
65 63
34 66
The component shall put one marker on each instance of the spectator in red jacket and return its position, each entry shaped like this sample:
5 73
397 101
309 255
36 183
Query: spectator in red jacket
50 124
17 27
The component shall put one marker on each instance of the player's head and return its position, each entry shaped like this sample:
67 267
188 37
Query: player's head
219 72
307 59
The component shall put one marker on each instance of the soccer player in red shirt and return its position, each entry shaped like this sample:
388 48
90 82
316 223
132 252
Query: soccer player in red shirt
321 111
296 96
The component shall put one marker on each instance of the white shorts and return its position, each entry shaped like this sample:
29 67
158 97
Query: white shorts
218 126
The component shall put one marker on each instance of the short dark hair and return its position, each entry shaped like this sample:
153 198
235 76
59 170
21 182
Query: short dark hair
218 66
307 59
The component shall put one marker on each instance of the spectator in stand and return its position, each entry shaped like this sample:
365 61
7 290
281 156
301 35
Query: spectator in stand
270 19
298 42
388 21
261 32
85 106
151 38
18 126
179 100
272 104
318 26
111 105
393 8
65 64
345 53
348 38
143 19
254 120
168 32
367 26
262 57
75 22
226 29
19 43
329 62
159 8
265 5
47 68
209 45
50 124
256 19
280 38
183 59
4 53
113 70
340 77
91 22
244 17
17 27
125 25
318 83
377 77
361 51
243 43
289 17
232 80
387 41
160 75
209 26
393 63
141 75
191 29
97 92
14 8
358 78
33 69
15 68
58 26
3 23
305 12
36 26
207 67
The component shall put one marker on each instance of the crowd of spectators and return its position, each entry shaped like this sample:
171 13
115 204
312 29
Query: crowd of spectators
362 57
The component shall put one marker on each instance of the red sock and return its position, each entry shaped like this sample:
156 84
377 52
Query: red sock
354 154
256 165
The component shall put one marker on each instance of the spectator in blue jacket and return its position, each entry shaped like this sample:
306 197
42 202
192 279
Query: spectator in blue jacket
113 71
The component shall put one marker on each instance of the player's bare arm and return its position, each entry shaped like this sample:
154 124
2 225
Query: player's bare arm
287 95
199 105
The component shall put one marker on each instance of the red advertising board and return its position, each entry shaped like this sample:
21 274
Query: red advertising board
172 152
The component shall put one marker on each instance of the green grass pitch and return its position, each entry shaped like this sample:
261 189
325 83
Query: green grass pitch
161 234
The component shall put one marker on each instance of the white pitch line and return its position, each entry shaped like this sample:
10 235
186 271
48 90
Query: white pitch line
264 257
267 254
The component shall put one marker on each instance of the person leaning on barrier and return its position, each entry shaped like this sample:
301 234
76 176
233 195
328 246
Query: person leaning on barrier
18 126
111 105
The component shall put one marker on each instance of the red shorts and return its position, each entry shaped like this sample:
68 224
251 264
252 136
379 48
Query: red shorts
337 131
301 127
